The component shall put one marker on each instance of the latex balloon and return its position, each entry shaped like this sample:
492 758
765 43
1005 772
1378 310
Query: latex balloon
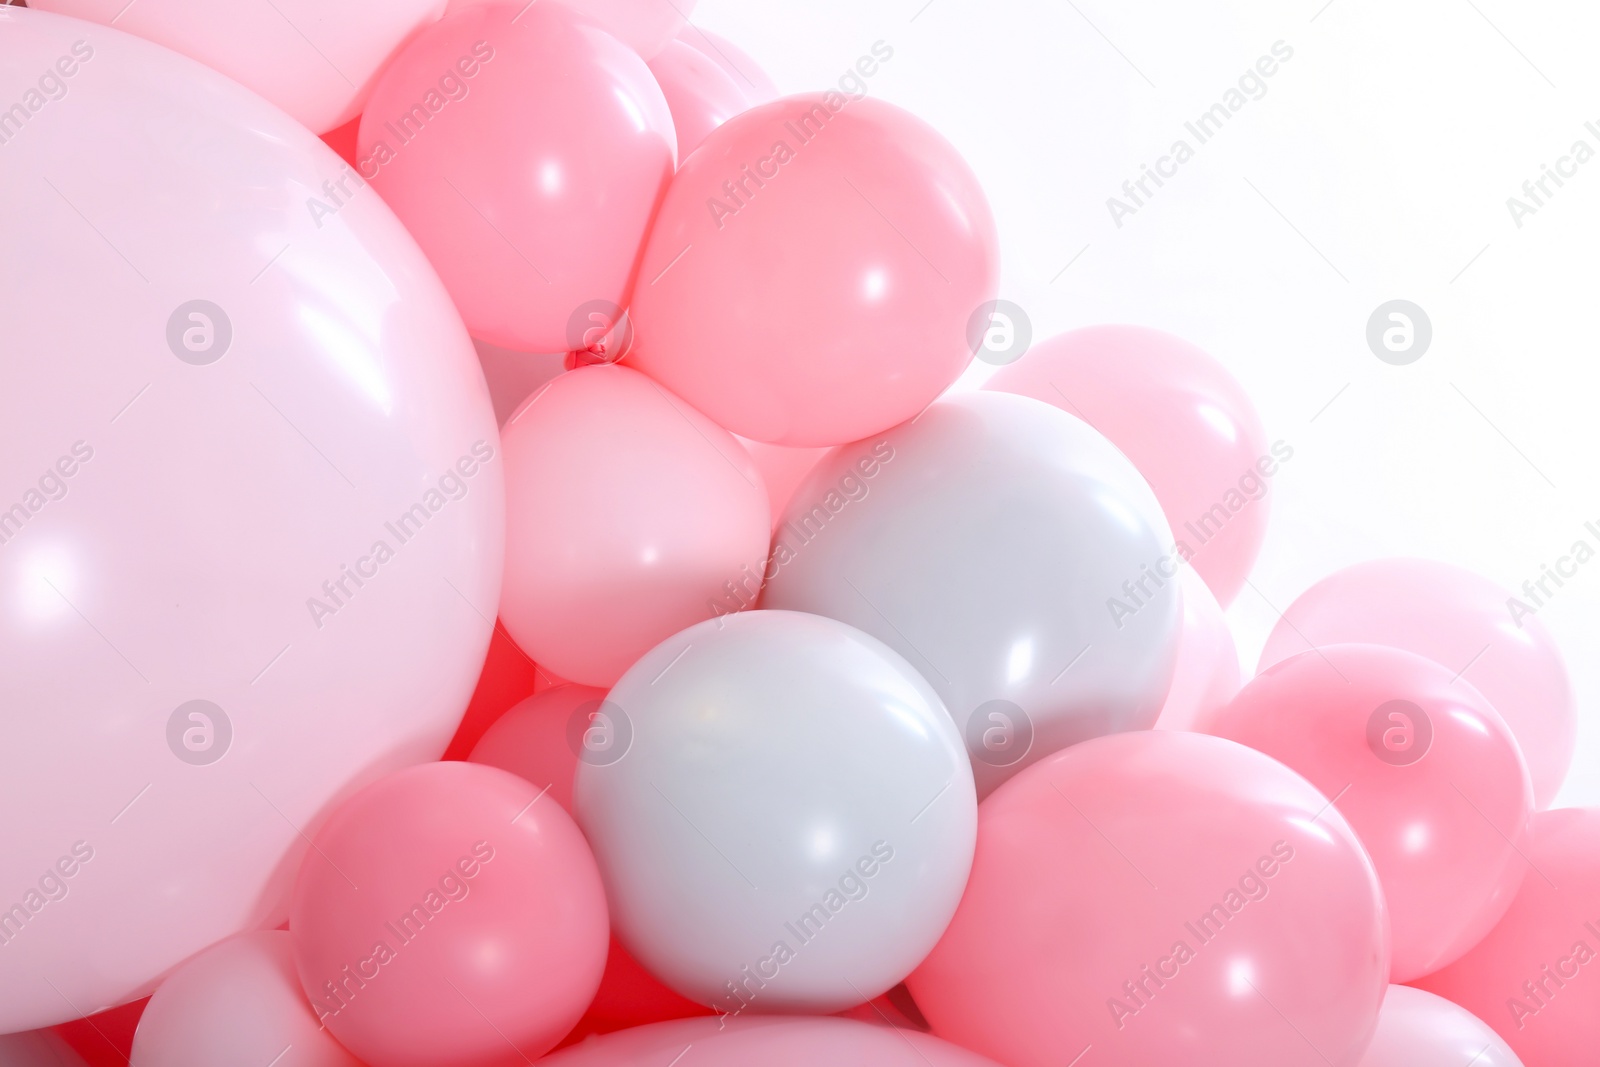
701 94
238 1002
644 25
1417 1029
782 469
757 86
1423 768
1162 898
811 271
1463 621
1012 555
784 816
526 149
630 516
1531 978
1184 421
448 917
1207 675
541 737
37 1048
251 544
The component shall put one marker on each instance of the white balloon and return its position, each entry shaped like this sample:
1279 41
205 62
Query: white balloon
1418 1029
1012 554
782 811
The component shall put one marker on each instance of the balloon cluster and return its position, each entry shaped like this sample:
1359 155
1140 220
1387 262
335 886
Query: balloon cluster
724 634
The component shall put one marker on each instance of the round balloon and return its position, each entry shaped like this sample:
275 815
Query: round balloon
250 544
1418 1029
786 817
757 85
1012 555
1490 636
1207 675
1162 897
811 272
701 94
541 737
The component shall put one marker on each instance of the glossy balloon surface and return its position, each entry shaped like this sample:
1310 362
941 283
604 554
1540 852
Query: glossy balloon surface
1418 1029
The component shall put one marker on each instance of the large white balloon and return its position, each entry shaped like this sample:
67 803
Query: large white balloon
1012 554
782 811
1418 1029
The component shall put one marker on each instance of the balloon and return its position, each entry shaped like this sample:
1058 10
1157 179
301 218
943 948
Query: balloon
251 541
782 813
1466 623
782 470
526 149
644 25
1164 898
701 94
630 516
746 73
237 1002
448 918
1531 978
37 1048
540 738
1417 1029
804 287
1184 421
1012 555
1423 768
1207 674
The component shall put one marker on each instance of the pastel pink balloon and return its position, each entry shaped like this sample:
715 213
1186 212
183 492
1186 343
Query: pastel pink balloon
1423 768
526 150
1463 621
630 516
643 25
536 739
1207 676
1161 898
757 85
783 470
811 272
448 917
701 94
1418 1029
238 1002
1183 420
251 512
1534 977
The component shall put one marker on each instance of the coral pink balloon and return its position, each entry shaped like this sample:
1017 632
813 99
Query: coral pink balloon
701 94
782 469
757 85
810 275
238 1002
643 25
1162 898
1417 1029
1533 978
630 516
1463 621
1423 768
1207 676
540 738
1184 421
251 512
449 917
526 152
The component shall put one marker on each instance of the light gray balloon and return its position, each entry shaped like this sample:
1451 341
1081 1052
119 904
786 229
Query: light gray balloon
1012 554
792 825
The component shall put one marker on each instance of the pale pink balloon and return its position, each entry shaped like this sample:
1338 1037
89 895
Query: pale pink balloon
449 917
1207 676
1463 621
782 469
252 518
1161 897
526 149
1534 977
643 25
746 73
1418 1029
541 737
1183 420
316 59
812 270
1423 768
238 1002
701 94
630 516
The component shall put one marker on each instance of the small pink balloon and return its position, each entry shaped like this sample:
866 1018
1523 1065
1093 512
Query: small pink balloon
812 271
630 516
1418 1029
1183 420
1463 621
541 737
1161 897
238 1002
526 150
447 917
1424 770
1207 676
782 469
1534 977
757 85
701 94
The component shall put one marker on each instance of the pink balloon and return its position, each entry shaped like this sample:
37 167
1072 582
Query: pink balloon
1417 1029
1161 898
449 918
746 73
1532 978
1208 662
783 470
252 517
812 270
1464 622
630 516
238 1002
1184 422
701 94
539 739
526 152
1423 768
